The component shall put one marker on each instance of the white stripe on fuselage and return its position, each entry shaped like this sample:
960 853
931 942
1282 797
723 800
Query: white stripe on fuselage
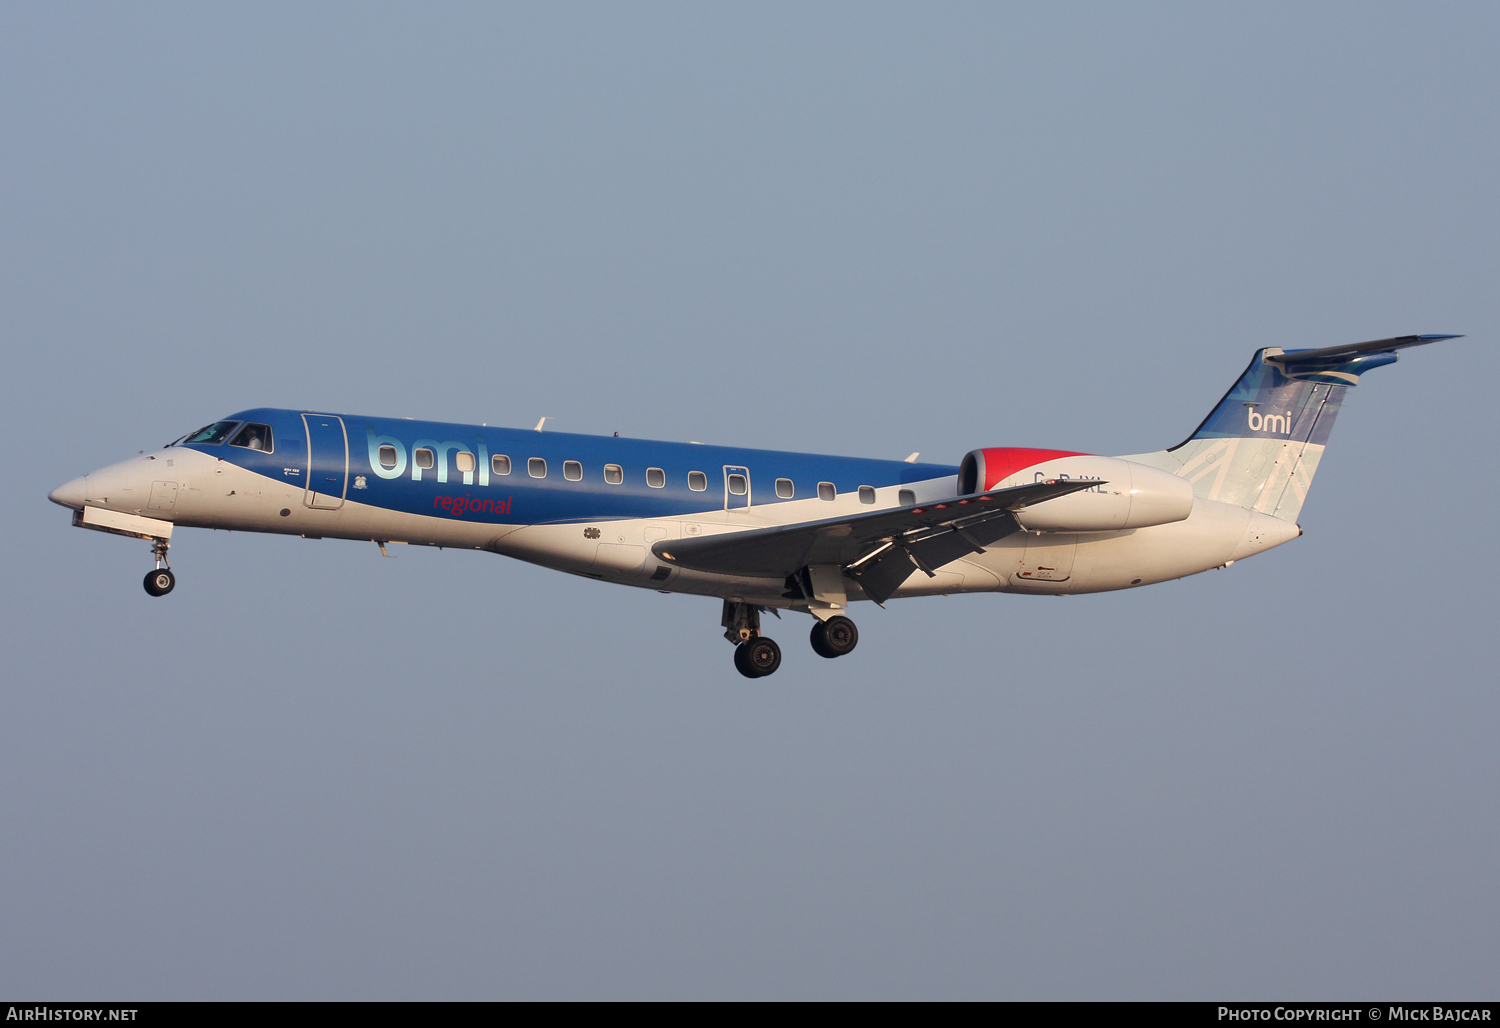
215 493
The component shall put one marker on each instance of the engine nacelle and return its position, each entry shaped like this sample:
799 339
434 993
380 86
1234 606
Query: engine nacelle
1130 495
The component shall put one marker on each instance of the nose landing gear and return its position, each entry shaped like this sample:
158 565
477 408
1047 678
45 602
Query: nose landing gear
160 581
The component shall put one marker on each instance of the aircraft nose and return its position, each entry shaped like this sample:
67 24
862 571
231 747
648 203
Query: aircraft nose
71 494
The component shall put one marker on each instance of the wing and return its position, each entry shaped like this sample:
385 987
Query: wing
879 549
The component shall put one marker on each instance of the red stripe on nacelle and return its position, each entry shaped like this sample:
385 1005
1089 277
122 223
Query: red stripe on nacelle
1003 461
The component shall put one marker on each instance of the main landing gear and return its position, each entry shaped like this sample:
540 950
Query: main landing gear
160 581
756 656
834 637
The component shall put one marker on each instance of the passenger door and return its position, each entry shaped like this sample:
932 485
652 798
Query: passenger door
327 461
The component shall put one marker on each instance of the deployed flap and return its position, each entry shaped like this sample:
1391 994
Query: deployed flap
899 539
882 573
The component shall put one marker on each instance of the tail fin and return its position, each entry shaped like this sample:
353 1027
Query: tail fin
1260 447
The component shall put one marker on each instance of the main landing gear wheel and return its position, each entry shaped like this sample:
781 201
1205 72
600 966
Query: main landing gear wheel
758 657
160 581
834 637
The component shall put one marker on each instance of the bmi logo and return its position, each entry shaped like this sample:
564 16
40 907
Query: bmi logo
1269 422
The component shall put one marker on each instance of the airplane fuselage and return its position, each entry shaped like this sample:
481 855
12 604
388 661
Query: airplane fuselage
595 505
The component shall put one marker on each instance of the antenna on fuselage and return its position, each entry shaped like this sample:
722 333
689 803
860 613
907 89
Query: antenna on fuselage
912 459
543 421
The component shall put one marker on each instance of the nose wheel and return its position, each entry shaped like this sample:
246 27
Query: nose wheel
160 581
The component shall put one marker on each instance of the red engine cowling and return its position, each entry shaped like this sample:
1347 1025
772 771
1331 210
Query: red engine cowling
1129 495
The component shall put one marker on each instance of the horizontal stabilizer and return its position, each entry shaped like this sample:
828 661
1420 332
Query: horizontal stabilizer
900 539
1337 353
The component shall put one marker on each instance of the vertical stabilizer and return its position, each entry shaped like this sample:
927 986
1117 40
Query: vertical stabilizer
1260 447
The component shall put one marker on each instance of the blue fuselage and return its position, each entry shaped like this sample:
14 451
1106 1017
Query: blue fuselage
531 493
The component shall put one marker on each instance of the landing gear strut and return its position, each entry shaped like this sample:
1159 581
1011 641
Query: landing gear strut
834 637
160 581
755 656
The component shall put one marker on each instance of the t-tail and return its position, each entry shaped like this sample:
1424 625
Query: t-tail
1260 447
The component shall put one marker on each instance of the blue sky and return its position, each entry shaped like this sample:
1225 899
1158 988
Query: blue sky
859 229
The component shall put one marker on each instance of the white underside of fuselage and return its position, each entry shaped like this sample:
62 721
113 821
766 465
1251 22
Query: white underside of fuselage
212 493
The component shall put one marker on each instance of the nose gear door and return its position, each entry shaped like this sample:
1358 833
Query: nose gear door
327 461
736 487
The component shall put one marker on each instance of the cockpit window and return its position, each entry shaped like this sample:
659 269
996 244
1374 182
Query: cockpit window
254 437
212 435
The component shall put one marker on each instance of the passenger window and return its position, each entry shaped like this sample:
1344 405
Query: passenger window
500 464
463 460
253 437
785 489
214 434
737 485
697 481
388 457
826 491
572 471
866 494
656 478
423 458
906 498
536 467
614 474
